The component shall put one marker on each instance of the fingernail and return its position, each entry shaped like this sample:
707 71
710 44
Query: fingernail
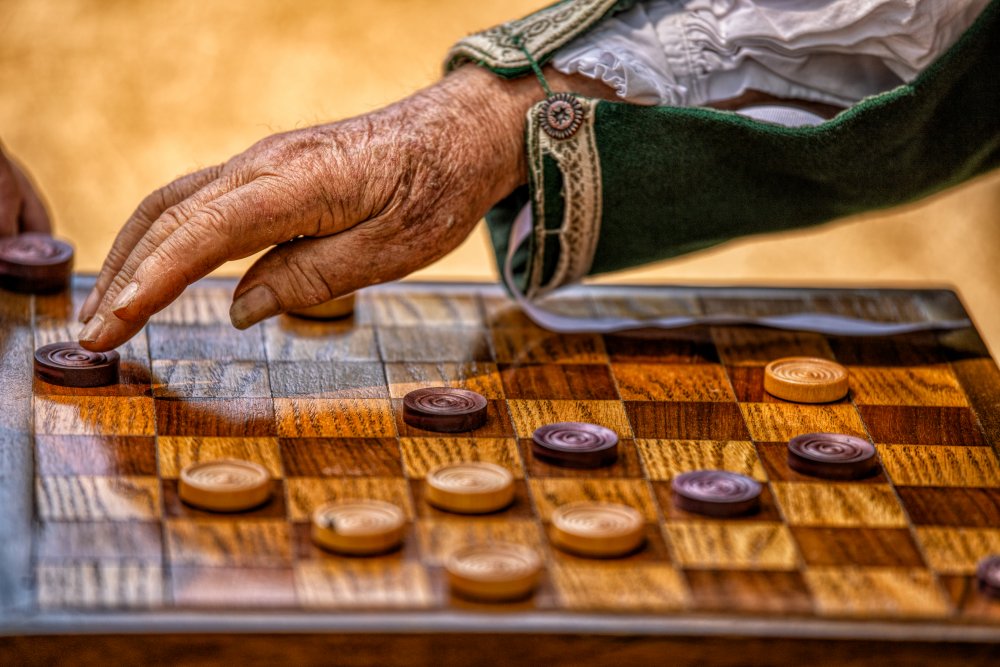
92 330
253 306
89 306
125 298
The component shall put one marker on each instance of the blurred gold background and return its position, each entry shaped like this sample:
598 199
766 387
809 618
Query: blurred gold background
105 100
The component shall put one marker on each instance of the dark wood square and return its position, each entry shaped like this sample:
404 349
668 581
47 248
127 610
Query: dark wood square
59 541
175 508
328 379
497 423
341 457
752 346
918 349
627 465
686 421
95 455
559 381
692 345
861 547
765 591
531 346
664 496
922 425
215 416
219 342
951 506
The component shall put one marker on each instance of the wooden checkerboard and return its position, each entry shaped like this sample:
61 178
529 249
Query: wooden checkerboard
95 540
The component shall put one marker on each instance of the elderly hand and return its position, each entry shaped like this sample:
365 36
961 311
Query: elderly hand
21 209
350 204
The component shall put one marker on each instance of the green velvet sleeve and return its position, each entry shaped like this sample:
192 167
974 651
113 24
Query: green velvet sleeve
637 184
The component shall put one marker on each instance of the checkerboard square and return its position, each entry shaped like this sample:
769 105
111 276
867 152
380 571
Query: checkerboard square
666 382
584 382
341 457
686 421
481 377
328 379
664 459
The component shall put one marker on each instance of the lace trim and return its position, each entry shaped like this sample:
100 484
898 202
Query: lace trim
541 32
582 194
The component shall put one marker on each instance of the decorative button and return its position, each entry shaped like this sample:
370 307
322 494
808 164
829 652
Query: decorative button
561 115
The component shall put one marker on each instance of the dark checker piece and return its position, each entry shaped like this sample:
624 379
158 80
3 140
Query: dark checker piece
832 455
444 409
70 365
988 576
717 493
35 263
575 444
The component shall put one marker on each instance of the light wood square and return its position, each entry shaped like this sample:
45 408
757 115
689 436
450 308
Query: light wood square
619 587
664 459
246 543
422 454
94 415
120 498
853 591
551 492
731 545
774 422
323 417
174 453
305 494
371 583
892 385
440 538
940 465
672 382
478 376
839 504
210 379
425 308
528 415
957 550
95 585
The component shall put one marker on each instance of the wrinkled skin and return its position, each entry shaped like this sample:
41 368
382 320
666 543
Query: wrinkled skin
344 205
21 207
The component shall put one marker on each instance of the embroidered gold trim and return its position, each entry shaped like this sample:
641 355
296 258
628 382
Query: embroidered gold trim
580 165
541 32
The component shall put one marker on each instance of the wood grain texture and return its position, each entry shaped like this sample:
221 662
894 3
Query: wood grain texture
769 422
216 342
215 417
916 465
921 425
481 377
292 339
530 346
422 454
839 504
549 494
341 457
584 382
595 587
322 417
692 345
439 538
234 587
862 547
951 506
109 455
664 459
94 415
210 379
100 586
177 452
887 385
666 382
94 498
780 592
746 346
256 543
328 379
363 584
426 308
686 421
733 546
848 591
529 415
957 550
430 344
979 378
